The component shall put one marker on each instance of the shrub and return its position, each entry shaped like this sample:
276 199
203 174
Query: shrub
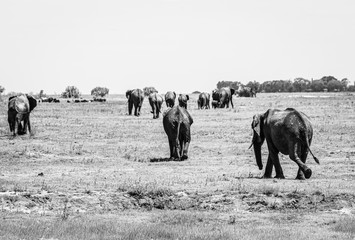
99 91
71 92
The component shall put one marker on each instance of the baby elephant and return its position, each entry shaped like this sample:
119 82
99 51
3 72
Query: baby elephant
287 131
155 101
177 122
19 109
183 98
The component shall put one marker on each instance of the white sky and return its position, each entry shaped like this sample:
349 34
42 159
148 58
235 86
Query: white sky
180 45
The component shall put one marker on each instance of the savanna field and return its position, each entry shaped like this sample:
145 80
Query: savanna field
90 171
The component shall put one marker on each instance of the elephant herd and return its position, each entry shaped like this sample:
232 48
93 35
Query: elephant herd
288 131
220 98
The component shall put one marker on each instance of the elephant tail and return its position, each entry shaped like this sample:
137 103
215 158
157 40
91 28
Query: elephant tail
178 135
315 158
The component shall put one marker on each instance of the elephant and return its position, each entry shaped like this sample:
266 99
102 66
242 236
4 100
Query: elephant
203 101
222 97
135 97
19 109
177 123
183 98
287 131
155 101
170 99
214 103
246 92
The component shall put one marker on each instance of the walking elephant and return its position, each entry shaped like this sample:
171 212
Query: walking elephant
135 98
287 131
203 101
177 122
222 97
19 109
183 98
155 101
170 99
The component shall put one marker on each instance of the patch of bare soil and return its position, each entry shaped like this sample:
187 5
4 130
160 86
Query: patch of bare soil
104 202
316 201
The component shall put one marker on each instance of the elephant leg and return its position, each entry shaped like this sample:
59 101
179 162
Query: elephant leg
278 168
171 146
177 151
268 168
295 148
274 156
157 109
12 121
136 110
182 145
185 151
28 125
139 110
130 107
300 174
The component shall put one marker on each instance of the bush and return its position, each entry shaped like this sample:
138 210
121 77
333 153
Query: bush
100 91
71 92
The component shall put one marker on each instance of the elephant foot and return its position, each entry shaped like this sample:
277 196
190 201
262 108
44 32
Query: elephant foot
300 177
184 157
280 176
308 173
266 176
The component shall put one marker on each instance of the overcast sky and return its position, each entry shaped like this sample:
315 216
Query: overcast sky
181 45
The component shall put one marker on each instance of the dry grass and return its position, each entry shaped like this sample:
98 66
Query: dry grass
90 171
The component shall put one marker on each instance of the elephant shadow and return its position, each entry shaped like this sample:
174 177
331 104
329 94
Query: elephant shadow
160 160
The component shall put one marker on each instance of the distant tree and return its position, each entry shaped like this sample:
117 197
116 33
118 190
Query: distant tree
99 91
41 94
71 92
317 86
344 83
334 85
351 88
301 84
253 85
231 84
149 90
196 92
2 89
327 79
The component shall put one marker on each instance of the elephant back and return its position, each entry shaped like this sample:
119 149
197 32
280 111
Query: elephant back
20 104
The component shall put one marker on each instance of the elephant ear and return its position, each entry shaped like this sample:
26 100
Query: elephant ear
32 101
232 91
11 104
187 97
174 94
255 125
128 93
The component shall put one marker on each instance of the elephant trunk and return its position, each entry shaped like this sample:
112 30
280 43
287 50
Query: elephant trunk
257 152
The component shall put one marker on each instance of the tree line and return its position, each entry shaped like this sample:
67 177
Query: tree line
326 83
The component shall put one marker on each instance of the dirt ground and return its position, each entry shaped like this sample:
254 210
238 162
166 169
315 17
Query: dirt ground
92 159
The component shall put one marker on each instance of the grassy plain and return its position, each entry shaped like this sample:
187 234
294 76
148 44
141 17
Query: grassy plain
90 171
